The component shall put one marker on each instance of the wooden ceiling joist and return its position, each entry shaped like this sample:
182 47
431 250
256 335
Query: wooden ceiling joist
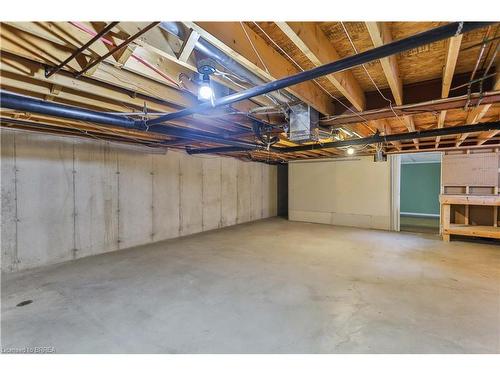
250 50
154 72
311 40
450 63
384 128
477 113
440 124
454 44
188 46
380 34
449 68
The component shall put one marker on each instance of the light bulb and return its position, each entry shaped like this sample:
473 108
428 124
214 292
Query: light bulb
205 92
350 151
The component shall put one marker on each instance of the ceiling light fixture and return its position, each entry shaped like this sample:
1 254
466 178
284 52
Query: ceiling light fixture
206 67
350 151
205 92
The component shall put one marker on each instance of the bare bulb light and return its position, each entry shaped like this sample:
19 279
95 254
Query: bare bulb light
350 151
205 92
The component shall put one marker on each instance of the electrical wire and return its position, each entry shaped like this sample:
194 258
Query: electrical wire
476 66
260 58
135 139
254 49
303 125
365 121
485 74
490 47
228 77
370 77
317 136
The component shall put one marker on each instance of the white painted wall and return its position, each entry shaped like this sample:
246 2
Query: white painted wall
345 192
66 198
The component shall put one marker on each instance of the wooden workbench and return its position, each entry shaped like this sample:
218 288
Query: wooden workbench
468 228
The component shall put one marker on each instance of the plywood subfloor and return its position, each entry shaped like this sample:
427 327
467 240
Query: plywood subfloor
270 286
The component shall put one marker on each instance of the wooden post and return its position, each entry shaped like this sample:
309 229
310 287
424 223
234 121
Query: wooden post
466 219
446 221
495 208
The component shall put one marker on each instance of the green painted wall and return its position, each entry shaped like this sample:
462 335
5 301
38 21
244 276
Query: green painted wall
420 185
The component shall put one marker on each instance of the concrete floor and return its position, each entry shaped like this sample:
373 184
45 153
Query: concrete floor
419 224
270 286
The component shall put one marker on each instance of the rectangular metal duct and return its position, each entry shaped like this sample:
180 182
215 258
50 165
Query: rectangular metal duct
304 123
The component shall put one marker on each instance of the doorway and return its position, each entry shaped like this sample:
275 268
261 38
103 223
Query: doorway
283 190
420 184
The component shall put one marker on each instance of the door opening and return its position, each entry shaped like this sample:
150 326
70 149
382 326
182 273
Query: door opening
283 190
420 183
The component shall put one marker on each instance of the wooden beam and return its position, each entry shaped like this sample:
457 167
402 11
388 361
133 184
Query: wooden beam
98 92
46 48
105 72
450 63
188 46
60 33
477 113
448 72
312 42
253 52
410 125
384 128
431 106
76 125
440 124
380 35
125 54
486 136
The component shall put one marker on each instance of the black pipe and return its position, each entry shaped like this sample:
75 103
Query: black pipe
53 70
430 36
486 126
29 104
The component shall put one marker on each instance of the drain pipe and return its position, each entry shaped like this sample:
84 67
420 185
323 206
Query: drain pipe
220 57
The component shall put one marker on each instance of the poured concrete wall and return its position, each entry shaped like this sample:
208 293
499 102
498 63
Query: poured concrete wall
353 193
65 198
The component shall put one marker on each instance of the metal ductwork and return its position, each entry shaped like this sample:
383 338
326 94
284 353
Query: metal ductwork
427 37
221 58
304 123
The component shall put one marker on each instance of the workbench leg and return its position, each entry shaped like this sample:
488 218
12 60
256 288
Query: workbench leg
446 212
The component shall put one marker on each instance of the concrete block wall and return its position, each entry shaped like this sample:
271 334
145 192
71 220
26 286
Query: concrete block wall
66 198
